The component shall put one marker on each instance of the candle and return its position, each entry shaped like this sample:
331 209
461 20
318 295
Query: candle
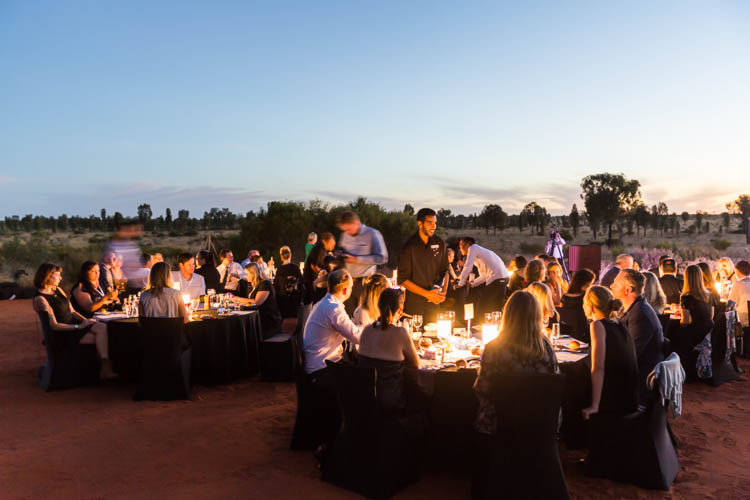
444 328
302 267
489 332
186 299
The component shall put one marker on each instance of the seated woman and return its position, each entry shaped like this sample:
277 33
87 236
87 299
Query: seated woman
87 295
521 348
557 285
257 290
654 293
535 271
67 325
708 282
388 349
541 292
574 322
516 280
118 275
207 269
696 320
614 366
160 300
367 311
725 270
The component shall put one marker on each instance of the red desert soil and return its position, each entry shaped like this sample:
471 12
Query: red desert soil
233 441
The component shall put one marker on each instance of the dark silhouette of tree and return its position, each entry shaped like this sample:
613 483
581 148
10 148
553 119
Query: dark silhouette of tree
609 198
575 219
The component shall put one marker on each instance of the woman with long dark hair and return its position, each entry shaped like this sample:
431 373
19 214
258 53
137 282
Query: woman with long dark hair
257 290
88 296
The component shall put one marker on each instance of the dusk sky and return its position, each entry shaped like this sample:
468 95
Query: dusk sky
196 104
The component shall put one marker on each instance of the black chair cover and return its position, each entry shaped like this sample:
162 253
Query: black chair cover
371 454
636 448
165 371
69 364
453 410
524 462
573 323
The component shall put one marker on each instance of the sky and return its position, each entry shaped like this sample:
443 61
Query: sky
196 104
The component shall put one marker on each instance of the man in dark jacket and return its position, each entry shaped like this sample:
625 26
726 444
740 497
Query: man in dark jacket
623 261
670 283
643 324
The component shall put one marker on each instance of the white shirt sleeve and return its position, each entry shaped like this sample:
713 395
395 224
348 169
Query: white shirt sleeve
341 323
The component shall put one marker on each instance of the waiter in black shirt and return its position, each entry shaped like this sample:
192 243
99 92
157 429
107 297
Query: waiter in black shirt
313 265
423 268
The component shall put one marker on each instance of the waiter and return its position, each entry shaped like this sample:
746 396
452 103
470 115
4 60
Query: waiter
492 282
362 249
422 268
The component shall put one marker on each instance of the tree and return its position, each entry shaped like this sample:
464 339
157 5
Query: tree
536 215
575 219
642 217
741 208
409 209
699 221
685 216
144 213
494 217
442 217
725 217
609 197
168 217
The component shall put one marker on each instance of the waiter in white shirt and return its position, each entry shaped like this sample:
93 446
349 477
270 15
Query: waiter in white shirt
492 282
191 284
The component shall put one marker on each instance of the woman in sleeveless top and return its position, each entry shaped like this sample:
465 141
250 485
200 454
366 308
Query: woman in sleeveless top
87 295
389 349
257 290
614 366
67 325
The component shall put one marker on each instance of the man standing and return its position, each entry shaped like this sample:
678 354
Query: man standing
622 261
312 239
642 323
288 285
492 282
740 293
190 283
230 273
362 249
423 268
670 283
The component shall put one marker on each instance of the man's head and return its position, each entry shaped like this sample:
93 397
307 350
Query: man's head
312 238
427 222
624 261
147 260
286 254
348 222
328 241
742 269
108 258
669 266
227 257
628 285
186 263
340 284
464 244
206 258
158 257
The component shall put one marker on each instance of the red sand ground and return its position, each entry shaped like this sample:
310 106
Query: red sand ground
233 441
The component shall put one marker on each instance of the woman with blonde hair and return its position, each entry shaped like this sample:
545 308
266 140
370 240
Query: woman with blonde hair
367 311
696 320
708 282
541 293
654 293
520 348
535 271
614 365
557 285
257 290
725 270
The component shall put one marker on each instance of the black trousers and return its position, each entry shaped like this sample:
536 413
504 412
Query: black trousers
492 296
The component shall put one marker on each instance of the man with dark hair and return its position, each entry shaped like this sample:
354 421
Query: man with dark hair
670 283
230 272
516 280
657 269
740 293
362 249
190 283
622 261
492 282
642 323
314 264
423 268
288 285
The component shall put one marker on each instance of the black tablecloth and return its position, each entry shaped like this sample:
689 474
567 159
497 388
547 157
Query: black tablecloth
224 348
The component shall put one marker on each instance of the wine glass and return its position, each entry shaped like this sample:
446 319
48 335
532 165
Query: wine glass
416 321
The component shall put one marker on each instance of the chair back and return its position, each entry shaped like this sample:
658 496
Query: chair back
355 393
525 461
67 364
163 374
573 323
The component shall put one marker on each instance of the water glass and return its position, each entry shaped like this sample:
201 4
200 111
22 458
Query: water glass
555 333
416 321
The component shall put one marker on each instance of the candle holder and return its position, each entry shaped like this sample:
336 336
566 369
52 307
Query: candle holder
444 325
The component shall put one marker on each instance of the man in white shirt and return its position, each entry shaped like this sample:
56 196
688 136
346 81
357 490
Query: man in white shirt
230 273
740 293
492 282
328 324
140 276
190 283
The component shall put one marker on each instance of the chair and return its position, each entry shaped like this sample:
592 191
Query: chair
165 369
453 410
573 322
524 462
721 354
68 364
635 448
371 454
743 342
277 356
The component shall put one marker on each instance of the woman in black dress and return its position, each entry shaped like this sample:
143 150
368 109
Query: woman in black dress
257 290
696 320
614 366
68 326
87 295
574 322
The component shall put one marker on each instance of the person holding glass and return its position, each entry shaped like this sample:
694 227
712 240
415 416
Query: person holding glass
88 296
257 290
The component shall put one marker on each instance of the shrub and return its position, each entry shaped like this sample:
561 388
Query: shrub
720 244
531 248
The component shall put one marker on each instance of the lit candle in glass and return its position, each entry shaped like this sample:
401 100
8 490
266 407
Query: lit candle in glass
186 299
489 332
443 325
